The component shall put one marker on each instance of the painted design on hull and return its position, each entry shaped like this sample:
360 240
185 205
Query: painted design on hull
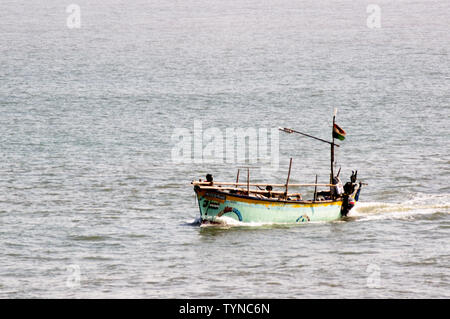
303 219
230 210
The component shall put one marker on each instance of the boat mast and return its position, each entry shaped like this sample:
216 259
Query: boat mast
290 131
332 152
332 147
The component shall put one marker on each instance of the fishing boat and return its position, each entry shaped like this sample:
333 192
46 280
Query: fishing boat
275 203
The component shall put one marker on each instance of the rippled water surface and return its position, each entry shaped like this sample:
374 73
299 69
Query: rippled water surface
92 204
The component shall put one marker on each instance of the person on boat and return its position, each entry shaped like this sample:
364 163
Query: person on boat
269 191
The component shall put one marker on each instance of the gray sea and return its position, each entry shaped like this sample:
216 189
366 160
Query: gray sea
94 204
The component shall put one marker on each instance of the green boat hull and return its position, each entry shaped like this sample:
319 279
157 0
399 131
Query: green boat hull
214 205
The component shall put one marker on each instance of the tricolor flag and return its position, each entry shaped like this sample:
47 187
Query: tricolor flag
338 133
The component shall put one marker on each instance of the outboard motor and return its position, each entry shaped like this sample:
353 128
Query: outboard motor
347 204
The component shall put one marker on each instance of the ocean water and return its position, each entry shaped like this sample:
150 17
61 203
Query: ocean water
93 204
